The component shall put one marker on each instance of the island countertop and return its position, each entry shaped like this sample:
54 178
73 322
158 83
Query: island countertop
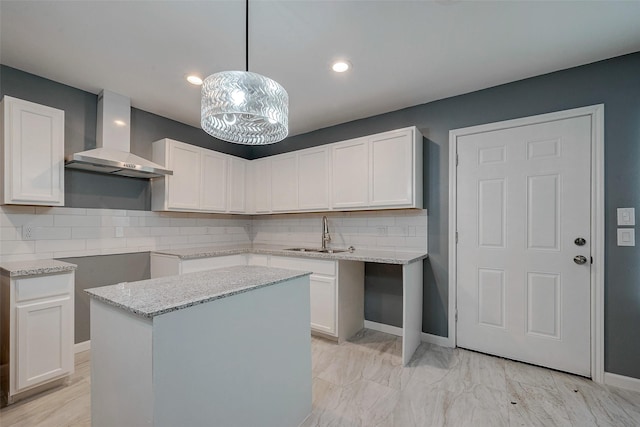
363 255
153 297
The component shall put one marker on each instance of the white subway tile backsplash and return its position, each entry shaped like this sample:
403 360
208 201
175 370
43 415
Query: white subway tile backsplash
18 220
16 247
47 233
106 243
119 221
77 221
48 210
83 232
10 233
107 212
59 245
93 232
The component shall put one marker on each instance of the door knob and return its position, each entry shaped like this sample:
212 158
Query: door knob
579 259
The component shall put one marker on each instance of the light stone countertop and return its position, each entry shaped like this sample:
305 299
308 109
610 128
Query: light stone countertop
153 297
364 255
36 267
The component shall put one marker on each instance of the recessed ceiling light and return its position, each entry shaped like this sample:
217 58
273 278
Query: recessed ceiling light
340 66
120 122
194 80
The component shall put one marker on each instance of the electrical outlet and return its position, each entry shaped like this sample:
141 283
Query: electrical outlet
382 231
27 232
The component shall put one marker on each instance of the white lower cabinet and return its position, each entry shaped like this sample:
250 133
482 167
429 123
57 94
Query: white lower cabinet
336 294
323 303
43 337
37 331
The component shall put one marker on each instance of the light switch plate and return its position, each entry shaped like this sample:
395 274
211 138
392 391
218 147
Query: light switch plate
626 216
626 236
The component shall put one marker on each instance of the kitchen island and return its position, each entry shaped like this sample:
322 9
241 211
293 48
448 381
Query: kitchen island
228 347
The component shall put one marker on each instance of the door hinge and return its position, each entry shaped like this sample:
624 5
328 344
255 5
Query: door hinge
456 314
591 260
457 160
456 237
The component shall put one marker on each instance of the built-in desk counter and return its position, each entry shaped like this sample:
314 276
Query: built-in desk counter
337 299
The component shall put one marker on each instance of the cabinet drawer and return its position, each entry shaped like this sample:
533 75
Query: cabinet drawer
317 266
30 288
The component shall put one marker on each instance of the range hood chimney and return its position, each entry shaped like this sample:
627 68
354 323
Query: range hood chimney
112 155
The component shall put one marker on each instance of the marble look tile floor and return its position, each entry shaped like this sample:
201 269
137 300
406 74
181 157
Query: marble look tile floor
362 383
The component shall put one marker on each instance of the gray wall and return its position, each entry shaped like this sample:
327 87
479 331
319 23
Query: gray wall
95 271
616 83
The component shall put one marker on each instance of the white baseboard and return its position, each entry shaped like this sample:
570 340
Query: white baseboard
436 339
82 346
620 381
393 330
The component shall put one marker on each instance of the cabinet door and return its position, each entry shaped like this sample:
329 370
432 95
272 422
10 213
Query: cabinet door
284 183
237 173
184 184
34 153
350 174
391 169
213 188
313 179
323 303
262 185
44 341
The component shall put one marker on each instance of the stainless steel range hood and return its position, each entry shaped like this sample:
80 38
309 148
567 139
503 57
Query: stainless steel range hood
112 155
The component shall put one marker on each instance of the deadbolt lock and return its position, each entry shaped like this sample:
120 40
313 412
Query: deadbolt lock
580 241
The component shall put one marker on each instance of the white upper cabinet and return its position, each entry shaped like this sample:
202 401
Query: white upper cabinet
202 181
237 184
213 190
32 153
284 182
392 169
382 171
180 191
313 179
261 188
350 174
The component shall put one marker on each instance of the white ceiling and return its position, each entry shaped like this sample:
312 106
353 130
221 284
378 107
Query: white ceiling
404 53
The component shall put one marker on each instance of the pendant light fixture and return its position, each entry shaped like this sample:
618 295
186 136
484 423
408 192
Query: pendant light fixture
244 107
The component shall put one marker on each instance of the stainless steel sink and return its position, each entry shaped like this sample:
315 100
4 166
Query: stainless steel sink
322 251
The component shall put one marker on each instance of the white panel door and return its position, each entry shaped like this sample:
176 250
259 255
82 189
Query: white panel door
313 179
323 303
35 136
523 199
284 182
350 174
44 341
213 188
184 184
237 174
391 169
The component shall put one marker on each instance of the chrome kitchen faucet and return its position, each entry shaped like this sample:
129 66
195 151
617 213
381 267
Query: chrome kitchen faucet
326 237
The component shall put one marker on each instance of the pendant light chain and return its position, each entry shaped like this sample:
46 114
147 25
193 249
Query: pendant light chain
246 36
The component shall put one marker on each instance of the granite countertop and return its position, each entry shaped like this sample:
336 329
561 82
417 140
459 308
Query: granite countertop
35 268
364 255
153 297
